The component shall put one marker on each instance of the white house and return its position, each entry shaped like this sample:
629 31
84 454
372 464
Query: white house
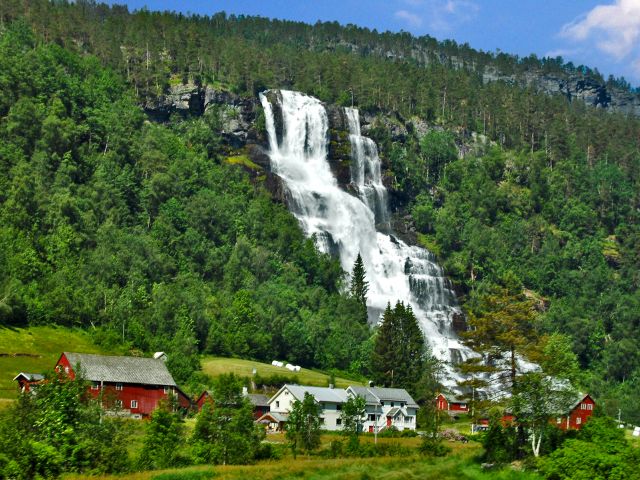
385 407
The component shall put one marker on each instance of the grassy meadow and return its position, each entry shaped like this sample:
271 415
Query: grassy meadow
214 366
36 350
460 464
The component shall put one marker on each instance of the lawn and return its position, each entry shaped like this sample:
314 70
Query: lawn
214 366
36 350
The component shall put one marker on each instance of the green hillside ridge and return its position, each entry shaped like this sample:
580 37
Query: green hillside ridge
36 350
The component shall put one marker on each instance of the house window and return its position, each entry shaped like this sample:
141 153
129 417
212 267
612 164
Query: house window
322 420
166 389
402 404
339 406
578 421
372 417
277 404
409 420
134 403
382 404
558 420
119 386
118 403
338 421
95 386
589 406
66 369
393 404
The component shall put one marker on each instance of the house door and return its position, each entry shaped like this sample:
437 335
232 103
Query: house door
388 421
370 428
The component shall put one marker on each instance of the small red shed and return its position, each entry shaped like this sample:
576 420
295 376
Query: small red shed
132 385
451 403
27 380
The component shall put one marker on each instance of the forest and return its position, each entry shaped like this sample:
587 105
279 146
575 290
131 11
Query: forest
142 232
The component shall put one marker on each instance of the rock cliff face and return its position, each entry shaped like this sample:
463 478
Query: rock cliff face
573 87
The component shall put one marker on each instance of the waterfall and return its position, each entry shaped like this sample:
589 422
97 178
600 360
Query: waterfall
345 224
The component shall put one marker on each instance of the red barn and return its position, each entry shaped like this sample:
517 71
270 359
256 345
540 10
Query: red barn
577 414
133 385
451 404
27 380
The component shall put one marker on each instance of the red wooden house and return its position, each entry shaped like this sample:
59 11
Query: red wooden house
451 403
27 380
129 385
577 415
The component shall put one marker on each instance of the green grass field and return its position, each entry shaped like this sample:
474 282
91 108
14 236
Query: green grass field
460 464
214 366
36 350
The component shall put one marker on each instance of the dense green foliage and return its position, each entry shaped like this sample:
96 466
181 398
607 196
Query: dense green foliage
599 451
400 352
61 429
303 425
225 432
141 232
137 228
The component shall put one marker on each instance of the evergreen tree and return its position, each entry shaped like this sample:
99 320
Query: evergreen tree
303 425
360 287
399 351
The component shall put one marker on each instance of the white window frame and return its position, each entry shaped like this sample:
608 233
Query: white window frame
95 386
167 389
579 421
119 387
134 404
119 404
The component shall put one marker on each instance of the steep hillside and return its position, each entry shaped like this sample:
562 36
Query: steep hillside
161 222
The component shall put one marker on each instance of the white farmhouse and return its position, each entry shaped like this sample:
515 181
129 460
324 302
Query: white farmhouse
386 407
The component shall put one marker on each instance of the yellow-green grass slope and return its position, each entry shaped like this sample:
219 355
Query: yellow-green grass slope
36 350
214 366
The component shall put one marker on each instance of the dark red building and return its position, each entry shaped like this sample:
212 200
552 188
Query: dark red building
260 402
577 415
27 380
129 385
451 403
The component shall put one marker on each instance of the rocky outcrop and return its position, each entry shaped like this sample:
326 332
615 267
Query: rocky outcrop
573 86
237 114
339 154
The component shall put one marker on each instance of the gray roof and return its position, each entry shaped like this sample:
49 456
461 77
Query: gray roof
31 377
321 394
258 399
393 412
103 368
373 395
278 417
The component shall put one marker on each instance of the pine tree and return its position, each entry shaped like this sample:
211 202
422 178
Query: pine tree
399 350
360 287
359 284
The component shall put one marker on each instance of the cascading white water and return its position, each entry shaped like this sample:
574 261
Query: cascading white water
345 225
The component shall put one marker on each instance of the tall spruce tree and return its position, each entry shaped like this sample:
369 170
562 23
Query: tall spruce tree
399 351
360 286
